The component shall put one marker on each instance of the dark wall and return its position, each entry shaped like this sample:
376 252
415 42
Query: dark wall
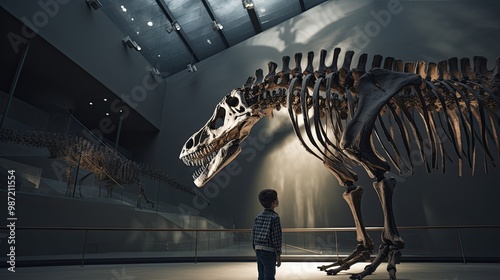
36 211
92 41
310 196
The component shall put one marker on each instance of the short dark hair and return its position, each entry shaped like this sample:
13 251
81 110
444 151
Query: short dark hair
267 197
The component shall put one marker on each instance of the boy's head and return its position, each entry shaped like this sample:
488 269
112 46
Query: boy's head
267 197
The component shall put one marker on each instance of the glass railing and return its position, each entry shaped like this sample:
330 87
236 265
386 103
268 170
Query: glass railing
79 245
41 148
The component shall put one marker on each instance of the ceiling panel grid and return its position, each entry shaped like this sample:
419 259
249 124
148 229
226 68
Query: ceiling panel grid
152 24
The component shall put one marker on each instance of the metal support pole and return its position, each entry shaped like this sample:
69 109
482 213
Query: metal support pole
238 238
461 245
336 246
69 120
14 83
158 197
84 245
76 176
119 130
196 247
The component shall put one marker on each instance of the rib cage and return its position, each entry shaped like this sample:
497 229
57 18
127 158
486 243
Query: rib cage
455 103
106 163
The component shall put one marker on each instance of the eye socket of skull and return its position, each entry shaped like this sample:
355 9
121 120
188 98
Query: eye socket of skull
233 101
189 143
218 120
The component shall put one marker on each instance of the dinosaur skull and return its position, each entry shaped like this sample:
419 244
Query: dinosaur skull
217 143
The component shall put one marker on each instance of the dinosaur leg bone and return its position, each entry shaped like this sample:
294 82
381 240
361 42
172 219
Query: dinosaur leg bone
391 241
365 244
345 175
335 163
375 89
353 196
390 235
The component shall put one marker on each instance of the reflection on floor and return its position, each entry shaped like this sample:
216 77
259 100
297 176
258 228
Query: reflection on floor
248 270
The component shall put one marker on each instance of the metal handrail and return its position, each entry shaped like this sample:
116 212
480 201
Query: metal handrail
342 229
285 230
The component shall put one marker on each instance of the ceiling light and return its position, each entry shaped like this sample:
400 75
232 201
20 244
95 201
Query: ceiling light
192 68
131 44
105 99
247 4
150 23
209 42
90 103
107 114
170 27
216 26
123 8
154 71
156 75
94 4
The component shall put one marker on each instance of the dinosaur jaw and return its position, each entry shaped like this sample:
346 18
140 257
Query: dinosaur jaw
212 163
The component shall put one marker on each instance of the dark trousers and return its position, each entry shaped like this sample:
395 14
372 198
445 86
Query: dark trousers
266 264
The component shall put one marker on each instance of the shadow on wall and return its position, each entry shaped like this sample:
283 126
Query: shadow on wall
408 30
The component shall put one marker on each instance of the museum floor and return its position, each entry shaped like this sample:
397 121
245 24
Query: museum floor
247 270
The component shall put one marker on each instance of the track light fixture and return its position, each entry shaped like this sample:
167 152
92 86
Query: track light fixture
94 4
171 26
156 74
216 26
131 44
192 68
177 26
247 4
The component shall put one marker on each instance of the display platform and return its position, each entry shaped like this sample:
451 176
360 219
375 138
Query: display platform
248 270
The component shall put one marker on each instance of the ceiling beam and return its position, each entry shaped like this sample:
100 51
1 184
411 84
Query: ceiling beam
213 18
302 5
255 20
181 33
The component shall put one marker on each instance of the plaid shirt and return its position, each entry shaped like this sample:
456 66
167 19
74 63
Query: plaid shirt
266 230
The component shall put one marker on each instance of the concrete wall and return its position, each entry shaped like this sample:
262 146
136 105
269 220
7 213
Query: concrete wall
310 196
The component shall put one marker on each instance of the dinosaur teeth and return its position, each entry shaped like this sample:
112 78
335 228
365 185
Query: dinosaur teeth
199 171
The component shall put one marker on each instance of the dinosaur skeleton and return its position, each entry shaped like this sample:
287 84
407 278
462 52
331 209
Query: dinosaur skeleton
106 163
345 113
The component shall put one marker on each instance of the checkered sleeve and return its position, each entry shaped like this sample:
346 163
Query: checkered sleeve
276 235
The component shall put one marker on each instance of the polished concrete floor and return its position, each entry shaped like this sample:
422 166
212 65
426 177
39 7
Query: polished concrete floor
247 270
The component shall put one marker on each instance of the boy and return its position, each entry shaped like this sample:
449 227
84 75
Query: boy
266 236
